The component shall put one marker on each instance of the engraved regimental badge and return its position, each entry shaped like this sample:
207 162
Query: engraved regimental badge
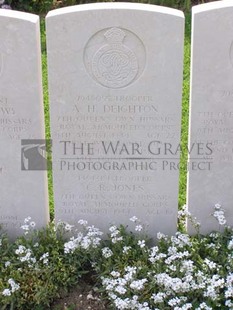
114 63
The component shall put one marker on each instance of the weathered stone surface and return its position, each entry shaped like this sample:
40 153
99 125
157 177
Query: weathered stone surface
22 193
211 114
115 83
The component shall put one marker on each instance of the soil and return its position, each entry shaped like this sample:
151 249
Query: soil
83 297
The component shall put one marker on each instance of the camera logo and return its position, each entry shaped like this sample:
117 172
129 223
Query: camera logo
35 154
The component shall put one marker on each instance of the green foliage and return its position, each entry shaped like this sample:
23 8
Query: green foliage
32 6
183 271
43 6
178 4
185 113
39 268
47 113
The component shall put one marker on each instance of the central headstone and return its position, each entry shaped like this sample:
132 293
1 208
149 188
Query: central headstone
115 81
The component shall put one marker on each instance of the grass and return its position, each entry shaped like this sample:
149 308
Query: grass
185 112
46 111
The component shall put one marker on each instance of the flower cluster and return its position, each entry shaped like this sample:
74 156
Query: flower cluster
90 238
170 277
179 272
28 225
25 255
115 234
106 252
118 285
4 5
13 287
219 214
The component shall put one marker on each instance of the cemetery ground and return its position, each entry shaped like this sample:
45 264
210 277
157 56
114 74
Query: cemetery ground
125 271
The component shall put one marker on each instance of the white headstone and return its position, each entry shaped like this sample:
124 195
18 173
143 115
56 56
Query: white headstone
210 179
22 193
115 80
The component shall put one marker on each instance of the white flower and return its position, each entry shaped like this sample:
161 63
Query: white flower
82 241
159 297
184 212
115 234
112 228
219 214
6 292
68 227
14 286
106 252
44 257
229 304
115 274
27 219
203 305
25 227
138 228
153 253
7 264
217 206
210 264
130 272
138 284
133 219
160 236
21 249
141 243
120 289
83 222
73 244
174 301
126 249
32 224
116 239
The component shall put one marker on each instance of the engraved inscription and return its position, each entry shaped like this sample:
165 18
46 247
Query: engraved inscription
216 126
10 221
12 126
114 57
109 203
115 117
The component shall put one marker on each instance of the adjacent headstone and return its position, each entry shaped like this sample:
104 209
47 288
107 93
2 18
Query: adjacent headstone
23 193
210 179
115 83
